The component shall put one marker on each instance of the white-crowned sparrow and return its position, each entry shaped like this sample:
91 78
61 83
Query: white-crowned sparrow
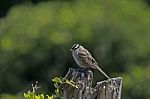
84 59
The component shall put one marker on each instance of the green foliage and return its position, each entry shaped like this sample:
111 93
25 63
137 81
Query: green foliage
35 42
34 95
58 82
136 83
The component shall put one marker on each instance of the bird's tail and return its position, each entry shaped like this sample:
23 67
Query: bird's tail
103 72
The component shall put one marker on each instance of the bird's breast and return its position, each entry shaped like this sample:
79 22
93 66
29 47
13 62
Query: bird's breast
78 60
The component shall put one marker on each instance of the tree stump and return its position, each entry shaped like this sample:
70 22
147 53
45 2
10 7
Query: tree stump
107 89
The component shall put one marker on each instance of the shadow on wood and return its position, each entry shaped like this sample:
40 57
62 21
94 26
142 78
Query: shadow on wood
107 89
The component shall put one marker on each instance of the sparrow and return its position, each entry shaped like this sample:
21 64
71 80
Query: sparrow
84 59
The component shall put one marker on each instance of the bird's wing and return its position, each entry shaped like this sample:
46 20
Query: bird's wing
84 52
87 58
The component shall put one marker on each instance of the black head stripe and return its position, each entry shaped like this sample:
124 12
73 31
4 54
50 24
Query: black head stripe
75 46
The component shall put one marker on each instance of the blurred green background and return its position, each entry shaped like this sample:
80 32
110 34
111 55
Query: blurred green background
36 37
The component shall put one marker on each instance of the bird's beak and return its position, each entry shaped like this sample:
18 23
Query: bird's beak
71 50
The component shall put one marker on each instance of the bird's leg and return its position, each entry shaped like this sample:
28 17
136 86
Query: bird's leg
83 69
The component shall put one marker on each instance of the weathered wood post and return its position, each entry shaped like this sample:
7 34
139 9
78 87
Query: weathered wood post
107 89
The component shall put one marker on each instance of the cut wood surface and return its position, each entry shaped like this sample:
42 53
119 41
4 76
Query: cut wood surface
107 89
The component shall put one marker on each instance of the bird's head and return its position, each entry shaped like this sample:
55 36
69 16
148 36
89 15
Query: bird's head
74 47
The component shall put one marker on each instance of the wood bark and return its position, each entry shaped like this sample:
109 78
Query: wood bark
82 88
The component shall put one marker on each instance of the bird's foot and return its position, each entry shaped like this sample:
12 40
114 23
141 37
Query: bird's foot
83 69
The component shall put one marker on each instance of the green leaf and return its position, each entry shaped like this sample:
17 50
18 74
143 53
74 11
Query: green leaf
57 80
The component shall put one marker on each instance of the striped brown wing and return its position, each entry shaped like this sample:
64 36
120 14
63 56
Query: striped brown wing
87 58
